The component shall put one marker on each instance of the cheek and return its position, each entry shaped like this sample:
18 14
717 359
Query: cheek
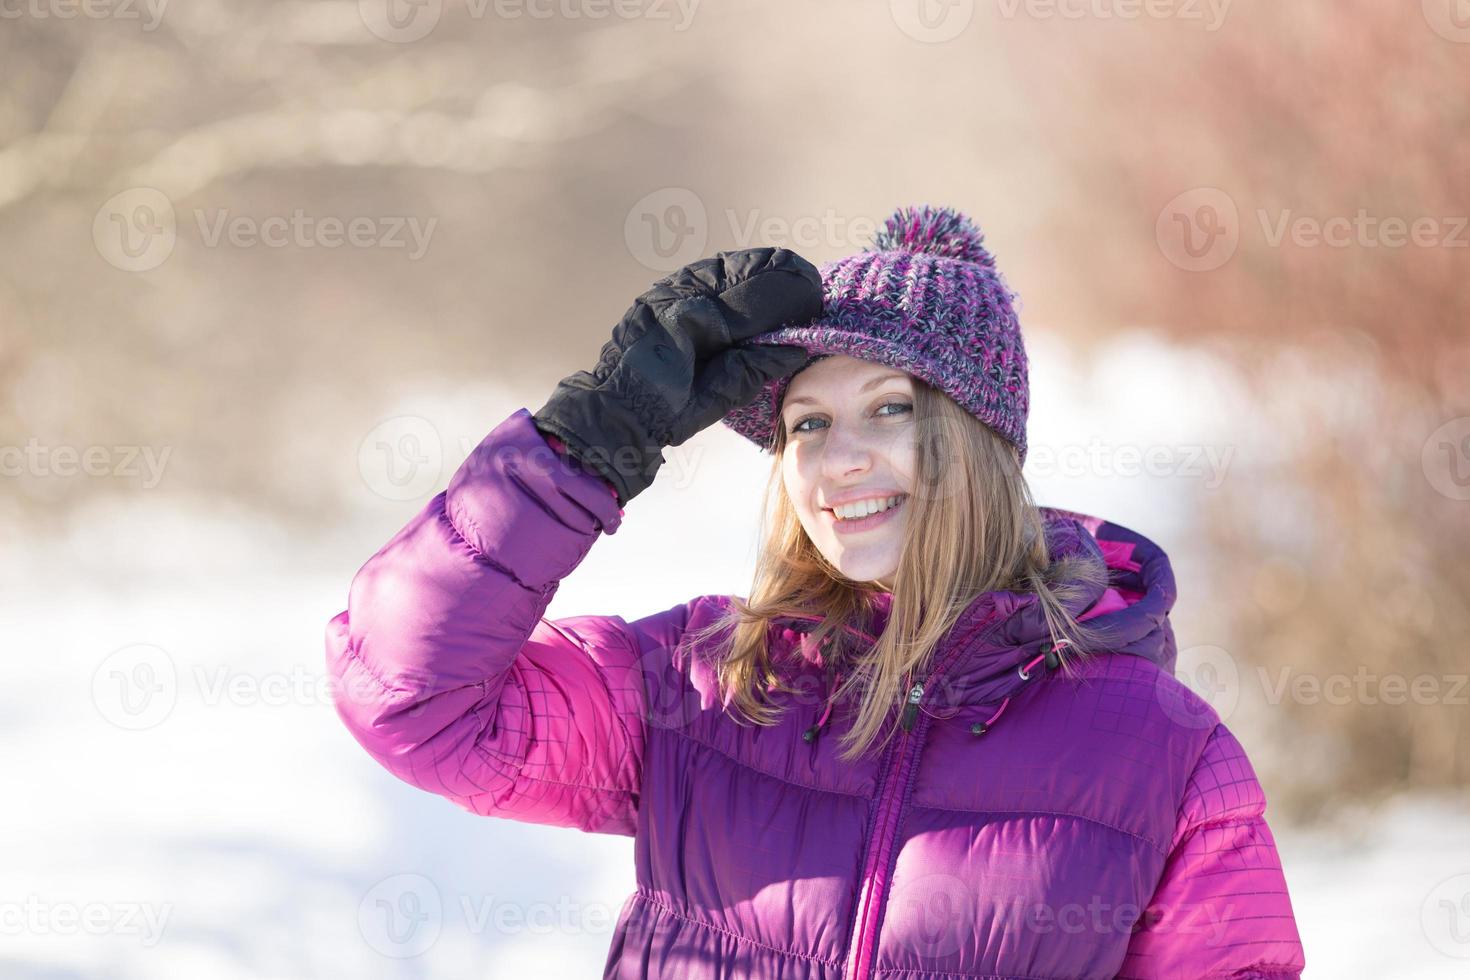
796 486
904 458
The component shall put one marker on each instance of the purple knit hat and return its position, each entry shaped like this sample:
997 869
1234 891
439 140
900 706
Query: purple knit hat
925 298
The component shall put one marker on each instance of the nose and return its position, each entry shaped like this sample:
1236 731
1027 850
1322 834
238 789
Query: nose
844 453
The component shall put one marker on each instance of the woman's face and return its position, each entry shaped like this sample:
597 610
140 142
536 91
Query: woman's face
851 439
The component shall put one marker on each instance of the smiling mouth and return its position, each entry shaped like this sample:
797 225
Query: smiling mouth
899 499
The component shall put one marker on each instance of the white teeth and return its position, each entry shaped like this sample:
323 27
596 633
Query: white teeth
849 512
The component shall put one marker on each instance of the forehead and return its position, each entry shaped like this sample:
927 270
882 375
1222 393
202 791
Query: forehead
841 375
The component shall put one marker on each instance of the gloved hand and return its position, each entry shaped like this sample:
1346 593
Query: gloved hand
671 367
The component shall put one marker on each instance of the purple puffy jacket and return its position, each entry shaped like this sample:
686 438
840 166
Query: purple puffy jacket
1022 824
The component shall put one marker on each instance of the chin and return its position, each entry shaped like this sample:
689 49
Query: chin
866 571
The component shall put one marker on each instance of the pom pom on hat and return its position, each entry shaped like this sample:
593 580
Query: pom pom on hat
935 230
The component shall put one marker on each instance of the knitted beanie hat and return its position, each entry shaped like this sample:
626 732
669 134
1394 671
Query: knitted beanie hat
925 298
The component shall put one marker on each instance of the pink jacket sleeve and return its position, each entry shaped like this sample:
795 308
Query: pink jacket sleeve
446 673
1221 909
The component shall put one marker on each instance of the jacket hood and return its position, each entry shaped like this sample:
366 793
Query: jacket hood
1000 642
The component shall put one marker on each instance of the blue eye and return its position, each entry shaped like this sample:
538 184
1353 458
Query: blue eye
904 406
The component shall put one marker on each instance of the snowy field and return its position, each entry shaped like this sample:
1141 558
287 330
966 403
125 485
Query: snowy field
186 804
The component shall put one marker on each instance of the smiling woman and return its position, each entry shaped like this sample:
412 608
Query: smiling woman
885 492
1047 801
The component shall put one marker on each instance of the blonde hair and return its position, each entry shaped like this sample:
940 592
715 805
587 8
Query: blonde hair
972 528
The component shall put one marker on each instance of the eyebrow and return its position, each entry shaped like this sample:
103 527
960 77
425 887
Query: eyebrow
871 384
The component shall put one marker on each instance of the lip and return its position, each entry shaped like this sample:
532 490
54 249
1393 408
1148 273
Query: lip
864 523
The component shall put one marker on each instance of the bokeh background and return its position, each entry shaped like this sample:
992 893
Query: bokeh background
268 271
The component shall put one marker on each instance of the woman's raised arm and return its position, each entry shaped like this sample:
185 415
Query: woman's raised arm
446 672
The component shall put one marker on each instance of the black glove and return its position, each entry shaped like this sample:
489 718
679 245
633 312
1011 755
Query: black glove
671 367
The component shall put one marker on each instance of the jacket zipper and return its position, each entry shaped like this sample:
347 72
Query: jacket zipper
860 953
871 895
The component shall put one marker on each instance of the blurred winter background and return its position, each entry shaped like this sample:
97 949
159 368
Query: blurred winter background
268 270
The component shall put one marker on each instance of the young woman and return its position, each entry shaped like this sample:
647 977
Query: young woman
940 738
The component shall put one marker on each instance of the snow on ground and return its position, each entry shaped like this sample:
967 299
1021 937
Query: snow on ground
185 802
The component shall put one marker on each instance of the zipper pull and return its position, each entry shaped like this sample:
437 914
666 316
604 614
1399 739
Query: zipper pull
911 709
